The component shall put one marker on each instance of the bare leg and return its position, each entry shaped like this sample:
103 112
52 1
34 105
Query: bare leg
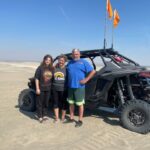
71 111
63 114
56 111
81 110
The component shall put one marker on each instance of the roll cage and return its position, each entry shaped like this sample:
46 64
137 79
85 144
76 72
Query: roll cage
105 54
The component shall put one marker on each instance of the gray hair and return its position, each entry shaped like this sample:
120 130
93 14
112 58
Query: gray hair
75 50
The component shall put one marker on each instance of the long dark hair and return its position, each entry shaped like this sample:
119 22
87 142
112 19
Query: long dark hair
44 58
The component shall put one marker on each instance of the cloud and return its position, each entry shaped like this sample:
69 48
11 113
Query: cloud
64 13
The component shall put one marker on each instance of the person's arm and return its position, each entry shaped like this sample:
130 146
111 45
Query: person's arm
37 86
37 82
90 75
89 70
66 78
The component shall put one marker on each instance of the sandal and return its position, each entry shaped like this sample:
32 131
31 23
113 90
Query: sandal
45 118
40 120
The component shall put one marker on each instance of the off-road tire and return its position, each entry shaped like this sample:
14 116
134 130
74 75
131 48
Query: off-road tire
26 100
135 116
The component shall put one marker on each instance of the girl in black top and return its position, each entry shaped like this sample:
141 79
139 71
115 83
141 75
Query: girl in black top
59 88
43 80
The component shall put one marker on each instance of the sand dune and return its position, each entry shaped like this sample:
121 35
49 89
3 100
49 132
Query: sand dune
21 131
32 65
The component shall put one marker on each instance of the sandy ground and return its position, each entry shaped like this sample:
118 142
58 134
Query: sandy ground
20 131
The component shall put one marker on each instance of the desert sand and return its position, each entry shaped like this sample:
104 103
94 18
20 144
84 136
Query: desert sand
21 131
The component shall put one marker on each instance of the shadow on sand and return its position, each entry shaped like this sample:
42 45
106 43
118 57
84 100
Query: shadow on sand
109 118
33 115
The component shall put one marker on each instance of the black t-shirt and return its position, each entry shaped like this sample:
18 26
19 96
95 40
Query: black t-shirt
59 79
44 75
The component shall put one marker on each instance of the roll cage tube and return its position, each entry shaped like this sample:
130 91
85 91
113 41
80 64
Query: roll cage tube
102 58
107 54
85 56
93 62
102 53
91 58
129 60
55 59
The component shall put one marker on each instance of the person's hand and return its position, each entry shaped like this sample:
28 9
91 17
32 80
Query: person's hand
84 81
38 91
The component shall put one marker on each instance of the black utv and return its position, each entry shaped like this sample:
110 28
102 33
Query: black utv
120 84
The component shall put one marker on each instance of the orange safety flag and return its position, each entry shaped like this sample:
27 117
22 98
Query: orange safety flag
116 18
109 9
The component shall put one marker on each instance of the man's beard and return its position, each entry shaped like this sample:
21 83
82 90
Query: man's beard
76 59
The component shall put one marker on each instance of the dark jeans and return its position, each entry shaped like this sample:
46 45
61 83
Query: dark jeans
60 99
42 103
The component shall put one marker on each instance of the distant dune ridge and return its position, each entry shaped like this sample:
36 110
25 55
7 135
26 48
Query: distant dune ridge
20 130
32 65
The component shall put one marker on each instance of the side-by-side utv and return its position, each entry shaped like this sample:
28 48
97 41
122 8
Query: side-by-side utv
120 84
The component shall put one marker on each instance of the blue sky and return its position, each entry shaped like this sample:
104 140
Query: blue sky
29 29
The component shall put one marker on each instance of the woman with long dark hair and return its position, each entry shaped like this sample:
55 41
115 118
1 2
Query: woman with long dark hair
43 80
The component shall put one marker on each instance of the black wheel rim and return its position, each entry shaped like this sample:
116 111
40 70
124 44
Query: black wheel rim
26 101
137 117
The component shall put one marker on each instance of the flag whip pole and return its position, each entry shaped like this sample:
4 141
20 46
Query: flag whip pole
105 26
112 45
